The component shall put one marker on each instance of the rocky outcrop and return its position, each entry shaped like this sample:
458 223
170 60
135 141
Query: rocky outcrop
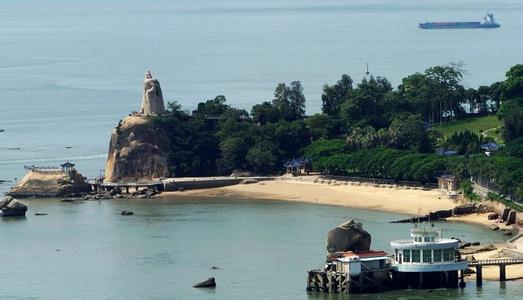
152 100
137 151
348 236
49 184
11 207
209 283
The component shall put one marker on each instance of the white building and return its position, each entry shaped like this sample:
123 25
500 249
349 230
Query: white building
427 260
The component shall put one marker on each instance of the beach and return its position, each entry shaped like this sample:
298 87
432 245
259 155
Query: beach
387 198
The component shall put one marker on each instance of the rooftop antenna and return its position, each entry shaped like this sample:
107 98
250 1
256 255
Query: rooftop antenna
367 73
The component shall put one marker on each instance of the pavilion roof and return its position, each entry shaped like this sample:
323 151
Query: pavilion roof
67 165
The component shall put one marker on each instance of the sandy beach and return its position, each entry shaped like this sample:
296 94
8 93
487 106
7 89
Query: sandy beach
358 195
388 198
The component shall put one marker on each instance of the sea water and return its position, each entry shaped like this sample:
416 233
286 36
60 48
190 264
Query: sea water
262 249
71 69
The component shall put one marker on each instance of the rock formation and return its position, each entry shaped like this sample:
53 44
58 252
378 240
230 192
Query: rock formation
11 207
209 283
152 100
37 183
348 236
137 152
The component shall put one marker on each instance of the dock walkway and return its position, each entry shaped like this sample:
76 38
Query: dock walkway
502 263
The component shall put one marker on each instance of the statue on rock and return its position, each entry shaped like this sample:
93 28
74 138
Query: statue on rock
152 101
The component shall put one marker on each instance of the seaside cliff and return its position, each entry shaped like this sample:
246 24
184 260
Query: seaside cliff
138 148
136 152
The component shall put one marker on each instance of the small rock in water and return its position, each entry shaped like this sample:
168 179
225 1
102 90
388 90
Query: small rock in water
13 208
127 213
493 227
209 283
215 268
40 214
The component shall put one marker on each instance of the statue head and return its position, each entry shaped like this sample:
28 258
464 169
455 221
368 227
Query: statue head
148 75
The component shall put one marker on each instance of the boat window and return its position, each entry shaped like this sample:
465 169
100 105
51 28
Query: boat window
427 239
416 256
448 254
427 256
437 255
406 255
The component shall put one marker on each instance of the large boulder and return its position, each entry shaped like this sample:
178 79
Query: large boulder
15 208
466 208
5 201
348 236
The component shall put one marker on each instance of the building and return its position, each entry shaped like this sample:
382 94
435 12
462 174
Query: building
300 165
448 183
490 147
67 167
427 261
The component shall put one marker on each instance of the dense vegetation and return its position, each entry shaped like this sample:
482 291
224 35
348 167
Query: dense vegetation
367 129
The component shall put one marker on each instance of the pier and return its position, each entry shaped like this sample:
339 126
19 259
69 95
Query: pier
501 263
173 184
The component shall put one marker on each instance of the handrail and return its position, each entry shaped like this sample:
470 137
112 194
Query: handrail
500 261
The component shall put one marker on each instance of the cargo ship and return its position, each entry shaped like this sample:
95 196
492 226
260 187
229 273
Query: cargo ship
488 22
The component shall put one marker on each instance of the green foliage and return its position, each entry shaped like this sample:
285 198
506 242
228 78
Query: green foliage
363 107
324 148
369 131
119 127
437 94
485 126
465 142
511 110
468 191
289 101
508 203
333 96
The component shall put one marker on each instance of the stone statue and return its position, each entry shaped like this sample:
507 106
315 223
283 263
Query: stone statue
152 101
348 236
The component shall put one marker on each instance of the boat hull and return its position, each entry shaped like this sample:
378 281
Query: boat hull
457 25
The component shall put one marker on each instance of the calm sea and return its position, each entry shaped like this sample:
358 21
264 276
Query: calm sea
70 69
262 249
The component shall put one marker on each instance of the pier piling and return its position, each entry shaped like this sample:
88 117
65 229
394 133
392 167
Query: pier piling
502 272
479 275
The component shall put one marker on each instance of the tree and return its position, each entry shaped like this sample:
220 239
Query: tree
408 132
321 125
333 96
511 110
364 107
262 158
289 101
264 113
233 152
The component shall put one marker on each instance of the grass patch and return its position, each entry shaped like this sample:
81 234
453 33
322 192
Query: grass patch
508 203
488 126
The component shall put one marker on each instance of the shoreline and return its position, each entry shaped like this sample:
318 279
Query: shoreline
394 199
385 198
